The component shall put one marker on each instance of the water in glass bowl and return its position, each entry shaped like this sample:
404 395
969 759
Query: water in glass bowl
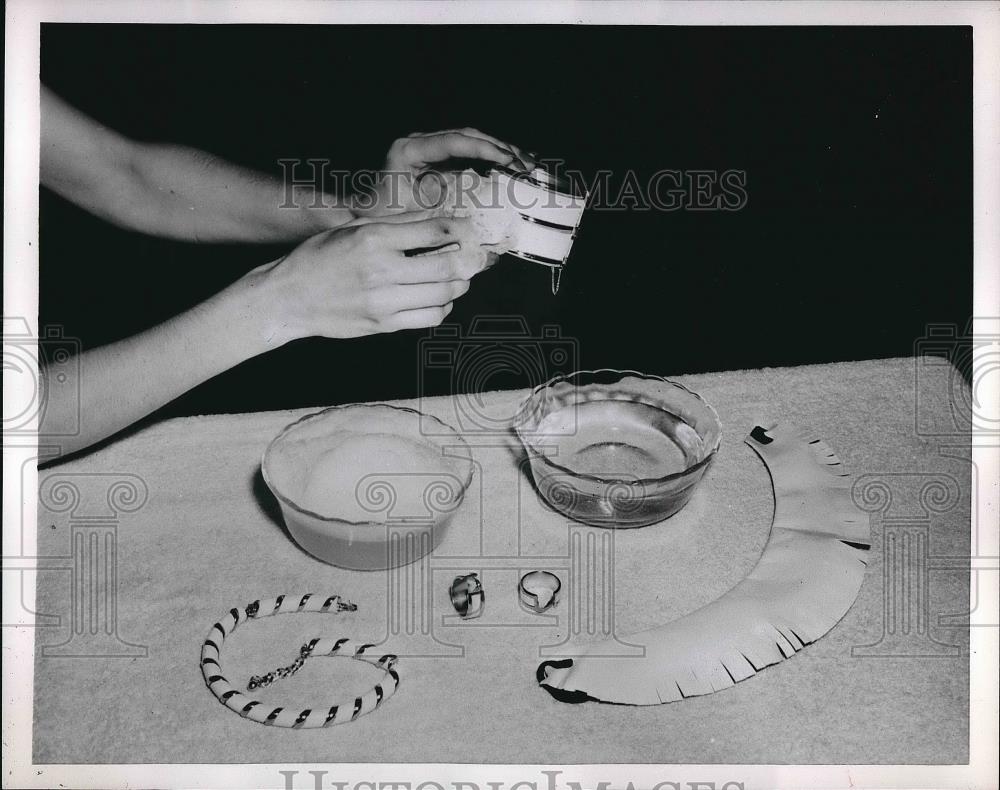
620 440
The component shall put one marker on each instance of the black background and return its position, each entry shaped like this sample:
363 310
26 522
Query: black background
857 144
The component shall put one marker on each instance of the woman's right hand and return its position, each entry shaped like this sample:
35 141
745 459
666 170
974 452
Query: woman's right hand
359 280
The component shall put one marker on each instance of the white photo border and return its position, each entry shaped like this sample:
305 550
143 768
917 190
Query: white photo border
21 135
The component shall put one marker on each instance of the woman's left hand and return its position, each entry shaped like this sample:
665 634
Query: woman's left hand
399 187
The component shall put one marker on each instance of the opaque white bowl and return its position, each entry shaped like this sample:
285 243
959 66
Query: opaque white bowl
411 499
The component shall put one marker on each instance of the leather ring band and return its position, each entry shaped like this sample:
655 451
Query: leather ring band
467 596
539 590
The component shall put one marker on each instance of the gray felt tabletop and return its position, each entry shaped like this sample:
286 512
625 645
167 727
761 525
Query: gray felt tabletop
152 538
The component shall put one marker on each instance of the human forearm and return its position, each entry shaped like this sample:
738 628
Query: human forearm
355 281
169 190
124 381
191 195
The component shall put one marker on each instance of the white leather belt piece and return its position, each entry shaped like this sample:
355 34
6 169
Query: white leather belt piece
805 581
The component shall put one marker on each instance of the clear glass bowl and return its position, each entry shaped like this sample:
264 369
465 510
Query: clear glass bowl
617 448
363 487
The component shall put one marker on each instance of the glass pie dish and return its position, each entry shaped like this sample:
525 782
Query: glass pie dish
363 487
617 448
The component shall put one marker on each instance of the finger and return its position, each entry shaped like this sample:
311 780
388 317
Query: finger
446 145
420 253
529 160
526 159
426 233
399 298
415 319
470 131
522 158
439 267
395 219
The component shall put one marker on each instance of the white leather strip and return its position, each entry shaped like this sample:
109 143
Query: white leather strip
805 581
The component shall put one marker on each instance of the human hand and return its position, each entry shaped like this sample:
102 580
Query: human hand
365 279
400 188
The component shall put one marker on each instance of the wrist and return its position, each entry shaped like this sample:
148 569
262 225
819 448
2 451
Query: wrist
327 217
262 307
315 211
